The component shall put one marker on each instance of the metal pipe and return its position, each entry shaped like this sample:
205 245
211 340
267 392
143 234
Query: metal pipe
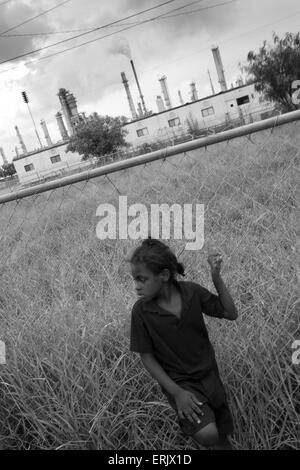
62 95
194 93
139 88
3 156
219 67
157 155
160 104
129 97
23 146
46 133
211 83
165 91
140 110
180 97
61 126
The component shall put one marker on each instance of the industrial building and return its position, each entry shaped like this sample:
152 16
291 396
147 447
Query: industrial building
240 103
47 162
51 160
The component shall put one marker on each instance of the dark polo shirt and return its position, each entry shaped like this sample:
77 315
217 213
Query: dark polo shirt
181 346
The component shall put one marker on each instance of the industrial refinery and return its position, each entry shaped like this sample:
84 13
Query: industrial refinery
170 123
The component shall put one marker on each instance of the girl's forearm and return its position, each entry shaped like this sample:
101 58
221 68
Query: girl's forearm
225 297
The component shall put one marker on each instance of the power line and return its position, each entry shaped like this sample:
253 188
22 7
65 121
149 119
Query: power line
96 29
145 21
46 33
34 17
4 3
186 56
200 9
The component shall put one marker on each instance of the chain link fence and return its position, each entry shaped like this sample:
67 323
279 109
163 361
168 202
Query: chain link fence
65 301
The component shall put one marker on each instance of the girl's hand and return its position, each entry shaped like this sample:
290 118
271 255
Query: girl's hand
188 406
215 261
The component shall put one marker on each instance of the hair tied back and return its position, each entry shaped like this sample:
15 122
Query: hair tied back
180 269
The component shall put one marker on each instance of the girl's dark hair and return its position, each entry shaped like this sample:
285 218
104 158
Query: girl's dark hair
157 256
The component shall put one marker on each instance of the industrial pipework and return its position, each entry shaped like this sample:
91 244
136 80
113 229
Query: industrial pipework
139 88
165 91
219 67
129 97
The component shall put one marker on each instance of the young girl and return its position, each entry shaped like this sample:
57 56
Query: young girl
169 333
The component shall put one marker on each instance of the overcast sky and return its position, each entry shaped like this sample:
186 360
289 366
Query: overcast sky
177 45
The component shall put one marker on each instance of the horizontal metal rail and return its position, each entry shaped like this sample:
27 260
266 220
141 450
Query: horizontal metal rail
152 156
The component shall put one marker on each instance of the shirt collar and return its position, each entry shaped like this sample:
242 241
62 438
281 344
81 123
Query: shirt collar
186 294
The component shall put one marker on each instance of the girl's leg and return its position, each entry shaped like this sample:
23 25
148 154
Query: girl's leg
223 443
208 436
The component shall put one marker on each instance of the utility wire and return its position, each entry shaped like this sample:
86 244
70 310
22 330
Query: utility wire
46 33
4 3
145 21
34 17
89 31
201 9
98 28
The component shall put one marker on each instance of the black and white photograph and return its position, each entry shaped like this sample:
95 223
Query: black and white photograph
149 228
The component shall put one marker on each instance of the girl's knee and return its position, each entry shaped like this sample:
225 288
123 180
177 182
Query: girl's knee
207 436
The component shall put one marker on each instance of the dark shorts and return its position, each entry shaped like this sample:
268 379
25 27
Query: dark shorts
210 391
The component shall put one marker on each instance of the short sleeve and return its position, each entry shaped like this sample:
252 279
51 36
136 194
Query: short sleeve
210 303
140 340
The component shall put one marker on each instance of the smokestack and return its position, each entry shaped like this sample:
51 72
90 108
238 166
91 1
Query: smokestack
140 110
194 94
239 81
139 88
72 104
180 97
46 133
3 156
61 126
129 97
67 105
165 91
21 140
17 152
219 67
160 104
211 83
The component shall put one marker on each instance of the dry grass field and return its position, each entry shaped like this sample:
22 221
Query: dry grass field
70 381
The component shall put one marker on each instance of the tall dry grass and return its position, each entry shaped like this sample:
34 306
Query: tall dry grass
70 381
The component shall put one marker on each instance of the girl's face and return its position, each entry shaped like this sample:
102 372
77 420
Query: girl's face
147 284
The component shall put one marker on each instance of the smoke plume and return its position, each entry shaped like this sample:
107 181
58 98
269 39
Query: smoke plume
121 46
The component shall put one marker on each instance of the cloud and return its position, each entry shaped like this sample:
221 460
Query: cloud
180 23
33 34
121 46
11 15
